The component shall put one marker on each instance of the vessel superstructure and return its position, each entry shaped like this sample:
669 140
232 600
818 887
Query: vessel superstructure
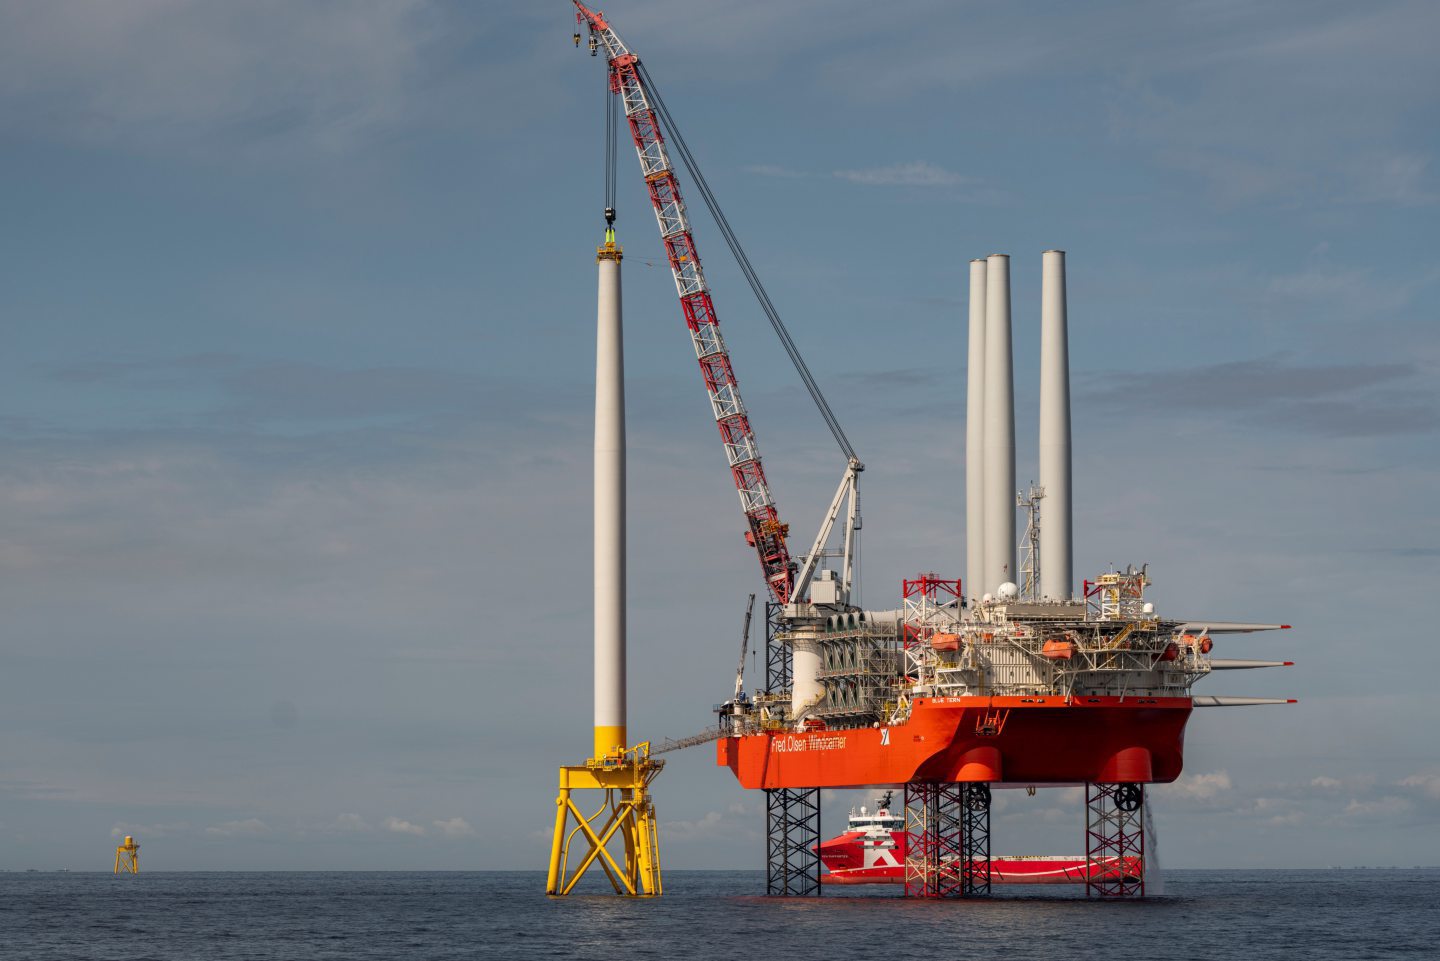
1001 691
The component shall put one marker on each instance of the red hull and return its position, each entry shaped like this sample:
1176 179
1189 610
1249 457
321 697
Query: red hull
1071 870
1018 740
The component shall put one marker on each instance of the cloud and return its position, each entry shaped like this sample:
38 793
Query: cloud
918 173
774 170
1408 552
1320 801
248 828
1427 785
252 391
143 831
39 789
349 824
1280 812
1197 787
1242 383
708 825
399 826
454 828
901 378
1234 94
1324 283
1233 180
736 822
1348 292
156 73
1396 178
1335 400
1388 806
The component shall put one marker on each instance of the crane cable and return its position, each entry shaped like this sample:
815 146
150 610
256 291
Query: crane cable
738 252
611 143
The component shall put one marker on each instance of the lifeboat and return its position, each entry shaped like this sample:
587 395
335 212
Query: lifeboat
1058 650
1201 641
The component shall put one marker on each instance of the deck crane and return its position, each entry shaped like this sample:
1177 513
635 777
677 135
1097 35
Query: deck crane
744 649
647 116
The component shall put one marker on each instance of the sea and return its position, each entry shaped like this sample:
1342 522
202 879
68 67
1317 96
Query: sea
289 916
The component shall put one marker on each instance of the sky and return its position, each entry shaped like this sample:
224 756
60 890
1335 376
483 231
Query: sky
298 308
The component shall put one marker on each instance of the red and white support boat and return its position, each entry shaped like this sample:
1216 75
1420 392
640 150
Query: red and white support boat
872 851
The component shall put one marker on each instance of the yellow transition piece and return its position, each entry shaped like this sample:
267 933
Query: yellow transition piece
609 740
127 857
627 810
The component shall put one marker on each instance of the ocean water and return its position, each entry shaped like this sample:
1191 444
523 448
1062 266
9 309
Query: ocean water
1315 915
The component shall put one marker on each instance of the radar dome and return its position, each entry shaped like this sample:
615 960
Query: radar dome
1008 591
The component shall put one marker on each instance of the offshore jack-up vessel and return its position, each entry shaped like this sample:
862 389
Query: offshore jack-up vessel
951 701
1018 682
1096 690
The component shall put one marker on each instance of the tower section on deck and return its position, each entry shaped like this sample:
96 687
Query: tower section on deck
975 360
999 431
1057 575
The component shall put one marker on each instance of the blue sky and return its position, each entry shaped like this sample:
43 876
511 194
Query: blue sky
294 415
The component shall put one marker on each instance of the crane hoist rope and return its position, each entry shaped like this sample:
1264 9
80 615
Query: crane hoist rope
648 117
612 140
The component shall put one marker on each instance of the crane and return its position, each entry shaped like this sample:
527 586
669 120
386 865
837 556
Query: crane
744 649
645 111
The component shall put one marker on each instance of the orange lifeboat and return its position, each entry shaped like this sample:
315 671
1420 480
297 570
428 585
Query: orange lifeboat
945 642
1058 650
1201 641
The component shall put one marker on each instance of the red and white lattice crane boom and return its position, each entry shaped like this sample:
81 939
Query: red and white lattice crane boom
766 532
